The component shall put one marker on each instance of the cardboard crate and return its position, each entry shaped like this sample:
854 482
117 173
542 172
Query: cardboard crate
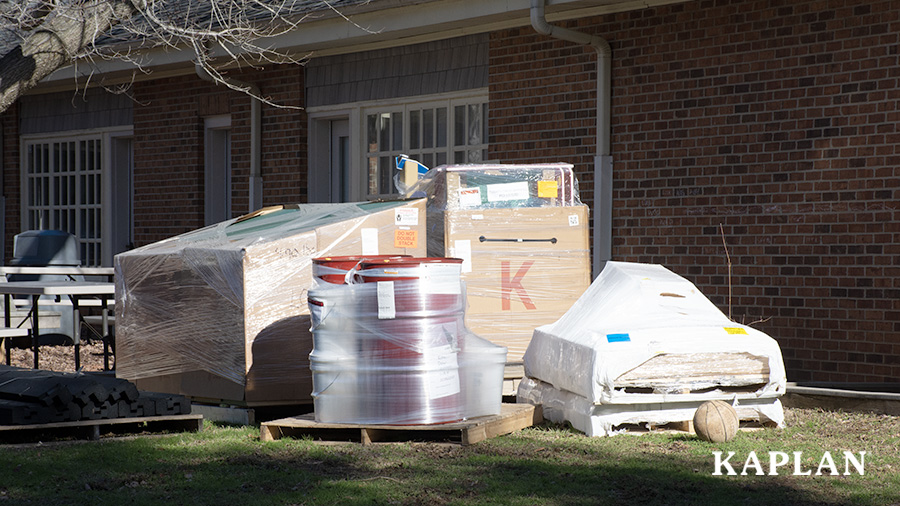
221 312
523 268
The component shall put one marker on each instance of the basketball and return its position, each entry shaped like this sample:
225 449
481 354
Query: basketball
716 422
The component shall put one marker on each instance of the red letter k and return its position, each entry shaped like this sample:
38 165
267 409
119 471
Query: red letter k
507 285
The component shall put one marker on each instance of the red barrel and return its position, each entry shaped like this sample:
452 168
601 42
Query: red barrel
415 327
334 269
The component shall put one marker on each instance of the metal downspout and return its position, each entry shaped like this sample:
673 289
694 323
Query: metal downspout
602 244
255 196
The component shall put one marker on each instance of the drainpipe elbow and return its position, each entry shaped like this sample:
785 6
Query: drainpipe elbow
538 21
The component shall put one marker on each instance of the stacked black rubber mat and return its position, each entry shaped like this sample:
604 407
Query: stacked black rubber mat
34 396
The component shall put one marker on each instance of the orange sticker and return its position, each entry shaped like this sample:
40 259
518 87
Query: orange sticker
406 238
548 189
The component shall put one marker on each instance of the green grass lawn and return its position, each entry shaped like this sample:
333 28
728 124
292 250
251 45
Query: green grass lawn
545 465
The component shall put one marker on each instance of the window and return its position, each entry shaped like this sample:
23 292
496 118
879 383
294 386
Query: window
433 133
63 190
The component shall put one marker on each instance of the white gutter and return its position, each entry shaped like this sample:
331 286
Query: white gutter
256 182
602 245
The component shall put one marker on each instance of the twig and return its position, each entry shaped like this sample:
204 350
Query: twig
380 478
764 320
728 258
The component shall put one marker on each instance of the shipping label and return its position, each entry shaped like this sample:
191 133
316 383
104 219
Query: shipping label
406 217
469 197
507 191
548 189
387 309
369 241
404 238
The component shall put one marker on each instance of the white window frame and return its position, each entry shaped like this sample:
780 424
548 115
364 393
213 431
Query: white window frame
320 181
80 213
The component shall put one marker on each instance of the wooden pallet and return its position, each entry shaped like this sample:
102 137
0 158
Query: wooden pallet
512 417
92 429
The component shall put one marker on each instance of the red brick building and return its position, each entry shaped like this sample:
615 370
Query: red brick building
763 132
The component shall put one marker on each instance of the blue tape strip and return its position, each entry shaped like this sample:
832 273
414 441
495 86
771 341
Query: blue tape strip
618 338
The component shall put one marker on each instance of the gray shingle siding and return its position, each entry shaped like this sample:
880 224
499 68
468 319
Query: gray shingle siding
74 110
423 69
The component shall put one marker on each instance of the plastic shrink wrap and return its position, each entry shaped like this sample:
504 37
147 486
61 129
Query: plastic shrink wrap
643 344
221 312
523 235
395 350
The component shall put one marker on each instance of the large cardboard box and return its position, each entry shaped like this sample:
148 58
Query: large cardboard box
523 268
220 313
523 235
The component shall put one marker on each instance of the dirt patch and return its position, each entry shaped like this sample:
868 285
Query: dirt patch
61 357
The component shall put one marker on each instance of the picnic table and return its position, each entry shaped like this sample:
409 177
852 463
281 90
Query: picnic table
80 293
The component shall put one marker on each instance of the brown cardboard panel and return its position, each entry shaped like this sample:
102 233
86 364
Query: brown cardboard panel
280 366
526 268
400 230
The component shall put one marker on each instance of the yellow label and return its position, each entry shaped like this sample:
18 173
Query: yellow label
548 189
406 238
735 330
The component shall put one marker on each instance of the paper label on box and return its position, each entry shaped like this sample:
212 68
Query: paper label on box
507 191
735 330
573 220
387 310
369 241
469 197
462 248
548 189
442 377
406 217
406 238
441 279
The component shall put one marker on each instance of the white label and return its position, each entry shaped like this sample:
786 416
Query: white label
369 241
477 216
317 313
442 377
387 310
463 249
441 279
573 220
470 197
406 217
507 191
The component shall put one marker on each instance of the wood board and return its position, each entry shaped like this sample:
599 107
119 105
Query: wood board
512 417
92 429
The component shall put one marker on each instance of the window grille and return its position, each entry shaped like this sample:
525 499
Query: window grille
434 133
63 191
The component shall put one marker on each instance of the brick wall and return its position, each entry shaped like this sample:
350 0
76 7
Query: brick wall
542 96
769 125
169 158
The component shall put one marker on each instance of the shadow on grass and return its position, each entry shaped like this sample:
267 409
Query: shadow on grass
235 468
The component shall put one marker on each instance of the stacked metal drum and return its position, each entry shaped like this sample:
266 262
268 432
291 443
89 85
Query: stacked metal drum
390 345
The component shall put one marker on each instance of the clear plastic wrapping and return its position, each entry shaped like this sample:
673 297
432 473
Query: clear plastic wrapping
221 312
523 235
398 352
641 335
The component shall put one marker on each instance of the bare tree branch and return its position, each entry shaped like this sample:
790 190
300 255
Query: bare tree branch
55 42
46 35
